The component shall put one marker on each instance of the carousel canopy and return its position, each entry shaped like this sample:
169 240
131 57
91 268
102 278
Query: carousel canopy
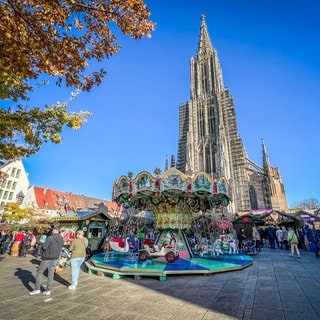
171 187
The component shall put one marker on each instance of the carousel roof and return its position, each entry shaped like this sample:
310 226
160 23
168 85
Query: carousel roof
170 186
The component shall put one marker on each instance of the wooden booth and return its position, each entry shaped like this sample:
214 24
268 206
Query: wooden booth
93 224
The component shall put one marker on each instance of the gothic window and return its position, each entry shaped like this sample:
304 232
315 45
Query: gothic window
253 198
201 125
273 188
207 160
211 119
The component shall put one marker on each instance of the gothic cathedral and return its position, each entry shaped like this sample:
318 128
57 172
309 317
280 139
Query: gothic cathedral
209 139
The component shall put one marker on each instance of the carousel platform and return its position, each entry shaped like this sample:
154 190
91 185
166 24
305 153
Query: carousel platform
121 265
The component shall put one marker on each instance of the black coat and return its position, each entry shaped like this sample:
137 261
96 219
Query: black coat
52 247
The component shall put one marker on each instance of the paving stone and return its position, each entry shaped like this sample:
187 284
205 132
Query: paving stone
274 287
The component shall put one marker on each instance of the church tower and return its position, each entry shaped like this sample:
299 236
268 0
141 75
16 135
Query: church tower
208 134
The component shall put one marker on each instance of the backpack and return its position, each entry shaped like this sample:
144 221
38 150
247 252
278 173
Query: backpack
43 238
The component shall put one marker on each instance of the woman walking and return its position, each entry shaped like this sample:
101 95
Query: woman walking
256 237
293 241
78 248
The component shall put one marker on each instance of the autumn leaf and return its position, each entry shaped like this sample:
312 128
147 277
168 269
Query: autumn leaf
57 39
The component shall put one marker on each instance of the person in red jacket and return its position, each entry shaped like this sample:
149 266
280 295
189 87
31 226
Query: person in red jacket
18 239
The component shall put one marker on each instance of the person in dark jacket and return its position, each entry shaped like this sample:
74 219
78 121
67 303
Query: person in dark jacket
241 237
271 233
313 238
49 260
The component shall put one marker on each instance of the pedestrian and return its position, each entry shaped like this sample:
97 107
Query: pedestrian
41 239
313 238
50 255
18 240
7 238
141 234
78 249
172 241
256 237
301 239
285 238
12 236
25 244
241 237
271 233
293 241
279 238
262 236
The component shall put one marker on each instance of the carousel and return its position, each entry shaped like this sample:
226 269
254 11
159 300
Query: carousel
190 232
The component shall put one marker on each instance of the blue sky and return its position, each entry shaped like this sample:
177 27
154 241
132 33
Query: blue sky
269 54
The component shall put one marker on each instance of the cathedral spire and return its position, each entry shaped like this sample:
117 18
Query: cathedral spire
204 45
266 162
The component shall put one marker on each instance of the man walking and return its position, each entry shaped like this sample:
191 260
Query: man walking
51 250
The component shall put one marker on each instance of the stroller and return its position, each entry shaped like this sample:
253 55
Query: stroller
249 247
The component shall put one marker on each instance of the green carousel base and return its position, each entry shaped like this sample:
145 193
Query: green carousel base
120 265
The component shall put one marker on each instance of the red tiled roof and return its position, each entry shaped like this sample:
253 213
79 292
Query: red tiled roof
44 198
113 208
53 200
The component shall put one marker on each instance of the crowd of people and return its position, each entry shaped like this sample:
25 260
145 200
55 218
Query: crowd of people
48 246
287 238
27 241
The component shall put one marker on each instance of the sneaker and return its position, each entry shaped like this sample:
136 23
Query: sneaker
72 287
290 255
32 293
299 256
46 293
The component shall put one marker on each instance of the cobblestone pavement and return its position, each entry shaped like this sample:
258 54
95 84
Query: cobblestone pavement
275 287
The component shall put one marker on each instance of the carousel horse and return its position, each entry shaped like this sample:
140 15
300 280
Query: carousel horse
217 248
233 248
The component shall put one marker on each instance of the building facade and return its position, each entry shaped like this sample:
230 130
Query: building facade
14 182
209 140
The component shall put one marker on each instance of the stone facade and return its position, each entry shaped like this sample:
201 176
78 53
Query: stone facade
209 140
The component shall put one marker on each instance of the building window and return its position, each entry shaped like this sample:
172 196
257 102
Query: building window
10 196
1 192
4 183
253 198
13 171
9 184
5 196
18 173
14 185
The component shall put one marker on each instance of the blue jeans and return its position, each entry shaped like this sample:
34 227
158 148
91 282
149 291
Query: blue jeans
314 248
75 269
46 264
